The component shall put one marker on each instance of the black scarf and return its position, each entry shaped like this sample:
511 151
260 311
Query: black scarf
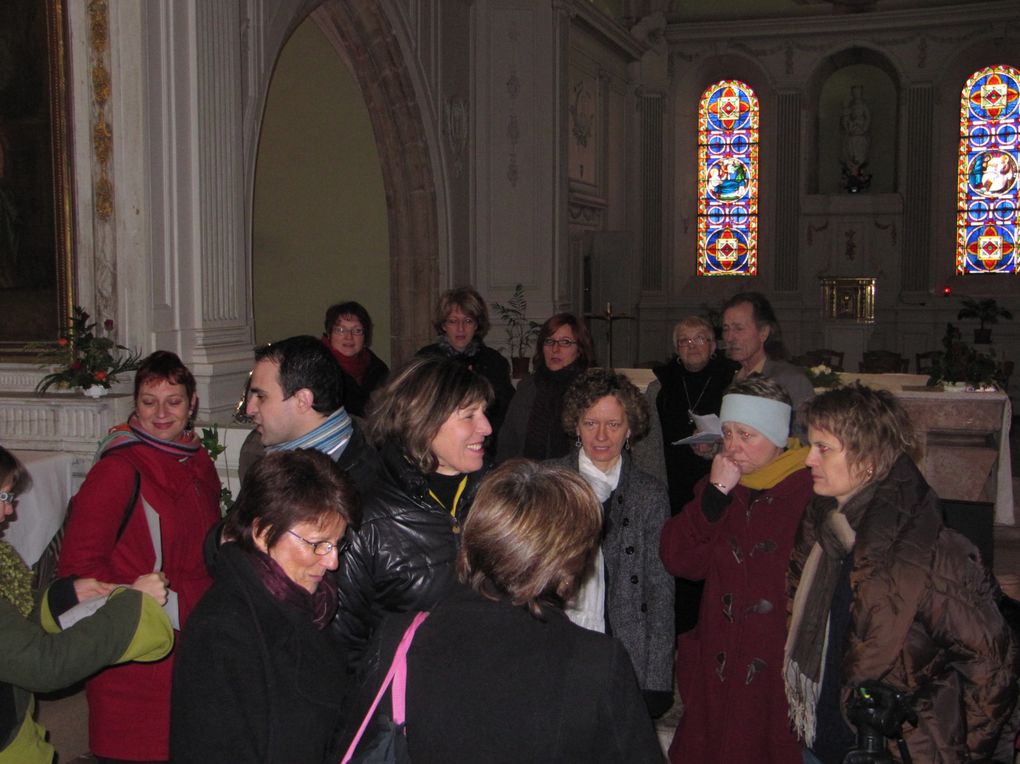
545 437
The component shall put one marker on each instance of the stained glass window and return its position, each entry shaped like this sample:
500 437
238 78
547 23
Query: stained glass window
987 169
728 180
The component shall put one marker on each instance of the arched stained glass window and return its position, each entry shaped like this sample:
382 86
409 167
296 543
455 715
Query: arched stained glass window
728 180
987 173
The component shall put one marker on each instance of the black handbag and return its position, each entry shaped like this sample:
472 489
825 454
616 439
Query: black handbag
389 743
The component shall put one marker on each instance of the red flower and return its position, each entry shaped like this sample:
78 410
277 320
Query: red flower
63 342
100 376
108 324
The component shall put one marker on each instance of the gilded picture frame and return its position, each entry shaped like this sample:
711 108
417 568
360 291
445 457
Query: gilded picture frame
36 218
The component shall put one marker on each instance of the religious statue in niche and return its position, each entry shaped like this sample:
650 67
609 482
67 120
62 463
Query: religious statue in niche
856 125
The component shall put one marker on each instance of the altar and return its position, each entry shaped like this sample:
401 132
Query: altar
964 439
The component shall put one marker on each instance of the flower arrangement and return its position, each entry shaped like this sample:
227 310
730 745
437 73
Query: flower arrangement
88 358
520 331
822 376
960 363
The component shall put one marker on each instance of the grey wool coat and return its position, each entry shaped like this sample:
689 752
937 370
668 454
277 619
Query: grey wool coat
639 591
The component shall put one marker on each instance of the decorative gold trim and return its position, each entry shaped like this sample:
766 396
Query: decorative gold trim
102 133
849 299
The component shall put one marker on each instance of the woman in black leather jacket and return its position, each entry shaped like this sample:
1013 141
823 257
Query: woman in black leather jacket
430 427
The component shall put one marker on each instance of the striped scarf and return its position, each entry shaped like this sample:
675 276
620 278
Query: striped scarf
331 437
131 433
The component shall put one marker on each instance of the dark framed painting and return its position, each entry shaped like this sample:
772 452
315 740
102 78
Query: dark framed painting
36 258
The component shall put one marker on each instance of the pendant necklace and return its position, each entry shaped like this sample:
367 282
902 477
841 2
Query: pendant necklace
687 395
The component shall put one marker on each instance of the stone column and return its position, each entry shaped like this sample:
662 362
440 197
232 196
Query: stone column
787 191
917 227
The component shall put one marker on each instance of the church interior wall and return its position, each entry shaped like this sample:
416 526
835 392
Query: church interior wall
320 229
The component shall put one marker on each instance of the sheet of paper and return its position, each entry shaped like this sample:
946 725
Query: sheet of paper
709 430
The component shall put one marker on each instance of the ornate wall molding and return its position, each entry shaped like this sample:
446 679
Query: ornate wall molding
103 220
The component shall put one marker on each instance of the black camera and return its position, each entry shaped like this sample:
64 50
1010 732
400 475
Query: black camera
878 711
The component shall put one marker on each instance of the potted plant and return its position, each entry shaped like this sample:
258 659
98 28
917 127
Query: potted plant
89 361
520 331
987 311
961 366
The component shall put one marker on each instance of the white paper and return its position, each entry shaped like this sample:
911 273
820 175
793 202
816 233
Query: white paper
708 430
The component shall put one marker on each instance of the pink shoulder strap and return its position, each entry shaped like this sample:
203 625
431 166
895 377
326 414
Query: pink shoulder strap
397 675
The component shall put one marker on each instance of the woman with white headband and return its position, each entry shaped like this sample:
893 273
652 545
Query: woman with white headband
736 535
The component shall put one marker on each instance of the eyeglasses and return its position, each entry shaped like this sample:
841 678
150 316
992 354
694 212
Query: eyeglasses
563 343
321 548
686 342
465 321
8 497
355 331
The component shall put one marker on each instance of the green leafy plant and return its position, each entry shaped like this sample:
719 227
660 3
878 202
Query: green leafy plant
958 362
987 311
520 331
210 440
87 355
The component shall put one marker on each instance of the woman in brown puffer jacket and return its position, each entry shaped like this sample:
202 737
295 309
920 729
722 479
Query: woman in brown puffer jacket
882 590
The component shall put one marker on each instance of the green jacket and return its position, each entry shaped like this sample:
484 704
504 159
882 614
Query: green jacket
37 656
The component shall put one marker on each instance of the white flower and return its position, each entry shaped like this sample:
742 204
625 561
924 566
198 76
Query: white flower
820 370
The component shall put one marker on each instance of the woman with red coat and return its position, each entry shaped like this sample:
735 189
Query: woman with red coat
145 505
736 535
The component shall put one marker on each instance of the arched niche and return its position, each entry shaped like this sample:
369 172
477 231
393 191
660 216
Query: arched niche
827 93
364 36
688 86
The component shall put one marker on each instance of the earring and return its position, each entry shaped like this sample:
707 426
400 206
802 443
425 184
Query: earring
626 444
577 443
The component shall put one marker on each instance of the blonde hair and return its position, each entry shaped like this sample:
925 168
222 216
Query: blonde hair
530 534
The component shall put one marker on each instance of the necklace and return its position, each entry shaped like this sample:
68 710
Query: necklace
687 395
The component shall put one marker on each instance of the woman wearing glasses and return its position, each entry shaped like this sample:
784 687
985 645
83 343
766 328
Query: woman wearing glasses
259 677
533 426
348 335
626 591
461 320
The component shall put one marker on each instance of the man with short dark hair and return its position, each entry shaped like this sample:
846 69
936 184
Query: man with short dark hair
752 338
296 401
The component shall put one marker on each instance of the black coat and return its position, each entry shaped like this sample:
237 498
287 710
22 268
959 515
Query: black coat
488 682
356 395
255 680
404 554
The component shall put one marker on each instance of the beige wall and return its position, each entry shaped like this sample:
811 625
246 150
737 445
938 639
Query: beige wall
320 230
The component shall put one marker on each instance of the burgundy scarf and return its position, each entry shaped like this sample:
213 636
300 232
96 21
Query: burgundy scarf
320 606
355 365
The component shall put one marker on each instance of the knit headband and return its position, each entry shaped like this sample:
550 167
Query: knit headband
770 418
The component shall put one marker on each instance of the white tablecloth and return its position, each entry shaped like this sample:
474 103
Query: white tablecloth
41 509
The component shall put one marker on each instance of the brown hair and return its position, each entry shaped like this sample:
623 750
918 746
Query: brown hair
585 348
286 488
760 387
530 534
416 401
872 425
593 385
13 471
164 366
470 303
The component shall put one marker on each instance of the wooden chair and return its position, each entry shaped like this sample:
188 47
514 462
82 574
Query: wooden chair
884 362
831 358
924 362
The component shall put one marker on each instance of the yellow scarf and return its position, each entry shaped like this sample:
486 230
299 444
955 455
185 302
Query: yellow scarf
780 468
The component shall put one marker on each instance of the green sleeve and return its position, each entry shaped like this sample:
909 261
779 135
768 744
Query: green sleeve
125 628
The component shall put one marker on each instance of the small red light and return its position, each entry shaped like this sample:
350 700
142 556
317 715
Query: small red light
946 291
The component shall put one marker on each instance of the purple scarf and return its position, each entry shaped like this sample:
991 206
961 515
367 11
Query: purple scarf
320 607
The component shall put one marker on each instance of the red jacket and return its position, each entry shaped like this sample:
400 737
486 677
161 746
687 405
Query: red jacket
729 668
129 706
